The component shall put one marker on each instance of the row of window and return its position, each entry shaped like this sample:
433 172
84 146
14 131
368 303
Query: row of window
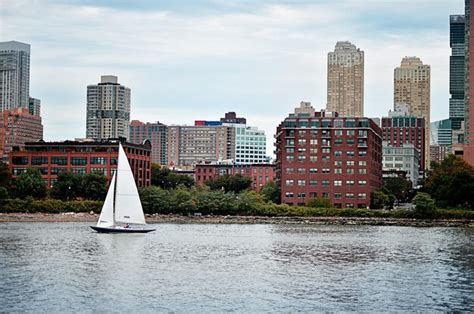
337 196
324 183
62 161
301 133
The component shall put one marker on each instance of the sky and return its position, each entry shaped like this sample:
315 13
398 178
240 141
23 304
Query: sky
195 60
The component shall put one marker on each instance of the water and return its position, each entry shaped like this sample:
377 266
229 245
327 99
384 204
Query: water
65 267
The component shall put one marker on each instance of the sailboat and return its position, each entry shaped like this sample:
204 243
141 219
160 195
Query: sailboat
122 209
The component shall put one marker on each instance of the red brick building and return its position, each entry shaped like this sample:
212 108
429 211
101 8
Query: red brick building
260 174
322 155
18 126
406 130
54 158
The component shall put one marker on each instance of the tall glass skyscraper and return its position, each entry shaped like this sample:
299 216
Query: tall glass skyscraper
14 75
456 71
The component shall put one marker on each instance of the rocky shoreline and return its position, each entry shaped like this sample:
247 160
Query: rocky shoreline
177 219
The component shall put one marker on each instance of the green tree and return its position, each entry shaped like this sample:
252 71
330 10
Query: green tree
399 187
67 187
382 199
5 175
94 186
30 183
319 202
229 183
271 192
166 179
451 183
425 206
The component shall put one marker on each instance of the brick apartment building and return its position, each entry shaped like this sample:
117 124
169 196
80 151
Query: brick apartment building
54 158
260 174
321 155
399 130
18 126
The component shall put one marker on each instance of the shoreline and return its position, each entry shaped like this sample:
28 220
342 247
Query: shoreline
177 219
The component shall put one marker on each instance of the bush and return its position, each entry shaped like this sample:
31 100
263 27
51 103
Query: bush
424 205
319 202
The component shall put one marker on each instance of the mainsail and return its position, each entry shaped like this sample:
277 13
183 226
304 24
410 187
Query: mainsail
128 208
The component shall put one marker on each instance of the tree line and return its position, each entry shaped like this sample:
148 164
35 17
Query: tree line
449 184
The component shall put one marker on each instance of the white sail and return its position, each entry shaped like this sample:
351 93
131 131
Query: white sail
106 218
128 208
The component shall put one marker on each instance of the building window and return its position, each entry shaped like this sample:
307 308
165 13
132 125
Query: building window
301 157
362 171
313 182
325 183
337 196
302 195
350 195
350 182
20 160
289 182
79 170
289 194
39 160
61 161
363 182
313 170
103 161
56 171
301 141
337 183
350 171
313 158
350 163
290 158
325 170
301 170
79 161
313 142
301 182
350 154
362 196
290 170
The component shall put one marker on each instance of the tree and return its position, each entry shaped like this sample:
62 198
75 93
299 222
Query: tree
271 192
94 186
399 187
451 183
229 183
166 179
319 202
5 175
424 205
30 183
67 187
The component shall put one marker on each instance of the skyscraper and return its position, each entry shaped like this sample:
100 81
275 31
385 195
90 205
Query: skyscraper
412 87
346 80
456 71
14 75
108 109
469 88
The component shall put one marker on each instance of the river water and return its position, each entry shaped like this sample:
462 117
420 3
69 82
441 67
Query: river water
66 267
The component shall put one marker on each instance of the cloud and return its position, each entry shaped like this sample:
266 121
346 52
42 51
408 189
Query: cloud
199 59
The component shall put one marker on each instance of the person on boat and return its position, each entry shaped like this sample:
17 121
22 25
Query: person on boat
127 226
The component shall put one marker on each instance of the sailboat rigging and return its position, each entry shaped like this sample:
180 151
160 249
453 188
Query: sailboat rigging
122 206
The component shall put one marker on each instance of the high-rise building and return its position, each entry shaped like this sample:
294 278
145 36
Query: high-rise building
321 155
156 133
231 117
34 106
14 75
456 71
441 133
108 109
18 126
346 80
188 145
412 87
400 130
468 87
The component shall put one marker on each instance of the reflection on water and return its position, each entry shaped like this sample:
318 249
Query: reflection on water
50 267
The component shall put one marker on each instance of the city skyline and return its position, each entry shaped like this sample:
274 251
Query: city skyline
191 60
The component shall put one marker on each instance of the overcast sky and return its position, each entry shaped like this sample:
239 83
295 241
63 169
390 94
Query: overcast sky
192 60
